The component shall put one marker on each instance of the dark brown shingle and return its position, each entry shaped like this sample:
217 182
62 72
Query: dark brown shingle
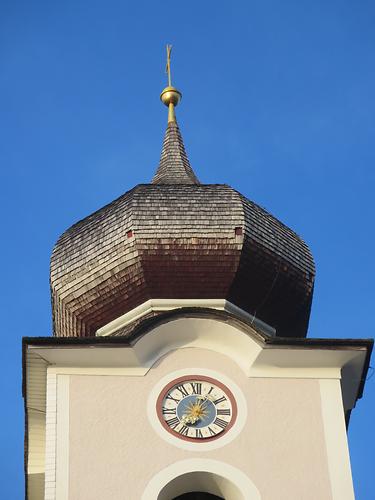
174 166
183 245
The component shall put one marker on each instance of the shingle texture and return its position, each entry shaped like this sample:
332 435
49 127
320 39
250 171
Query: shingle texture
178 239
174 166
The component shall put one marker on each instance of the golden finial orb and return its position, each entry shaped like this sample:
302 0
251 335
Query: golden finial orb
170 95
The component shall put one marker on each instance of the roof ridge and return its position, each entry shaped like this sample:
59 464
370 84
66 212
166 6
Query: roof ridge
174 166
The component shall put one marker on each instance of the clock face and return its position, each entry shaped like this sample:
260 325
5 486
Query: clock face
196 408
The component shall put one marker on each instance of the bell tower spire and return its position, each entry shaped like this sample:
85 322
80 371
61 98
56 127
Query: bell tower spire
174 166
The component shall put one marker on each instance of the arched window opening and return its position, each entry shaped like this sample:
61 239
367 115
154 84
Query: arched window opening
198 495
200 485
200 479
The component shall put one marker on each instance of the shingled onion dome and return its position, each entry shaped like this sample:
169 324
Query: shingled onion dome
178 239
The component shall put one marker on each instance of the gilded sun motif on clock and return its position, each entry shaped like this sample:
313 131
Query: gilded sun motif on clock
196 408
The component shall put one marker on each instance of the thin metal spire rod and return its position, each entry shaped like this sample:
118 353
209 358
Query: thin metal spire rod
170 95
168 67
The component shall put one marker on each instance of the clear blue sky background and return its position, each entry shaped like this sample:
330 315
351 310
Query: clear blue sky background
278 102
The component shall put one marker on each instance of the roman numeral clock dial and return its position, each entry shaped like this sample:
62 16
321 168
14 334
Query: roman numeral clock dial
196 408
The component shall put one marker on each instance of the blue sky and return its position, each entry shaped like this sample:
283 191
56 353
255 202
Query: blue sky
278 102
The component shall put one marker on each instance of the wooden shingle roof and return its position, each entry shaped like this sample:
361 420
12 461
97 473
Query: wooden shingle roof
174 166
178 239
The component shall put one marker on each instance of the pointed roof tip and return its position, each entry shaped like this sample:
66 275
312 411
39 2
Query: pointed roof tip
174 166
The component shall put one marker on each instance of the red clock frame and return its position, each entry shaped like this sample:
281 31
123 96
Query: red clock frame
187 378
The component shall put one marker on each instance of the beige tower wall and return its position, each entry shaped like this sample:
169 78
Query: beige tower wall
114 451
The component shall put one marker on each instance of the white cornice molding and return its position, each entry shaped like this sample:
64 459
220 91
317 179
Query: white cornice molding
170 304
253 358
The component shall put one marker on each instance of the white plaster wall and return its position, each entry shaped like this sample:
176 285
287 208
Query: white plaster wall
114 451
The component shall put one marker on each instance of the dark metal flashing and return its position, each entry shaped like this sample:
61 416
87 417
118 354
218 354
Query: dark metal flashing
26 449
26 423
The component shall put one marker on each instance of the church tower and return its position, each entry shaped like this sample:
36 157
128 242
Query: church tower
179 367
